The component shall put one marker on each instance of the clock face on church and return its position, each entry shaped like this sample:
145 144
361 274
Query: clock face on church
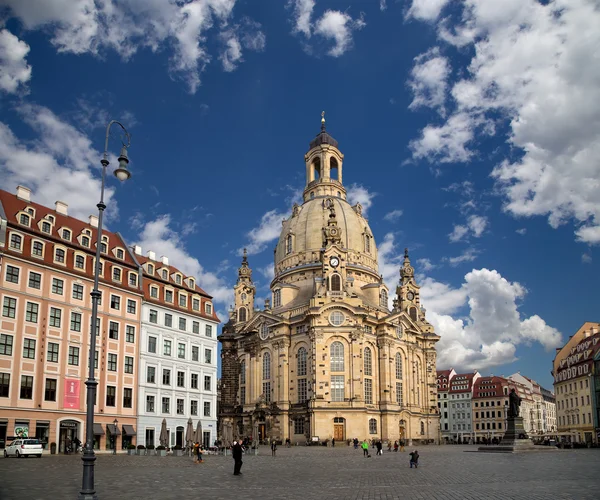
334 262
410 296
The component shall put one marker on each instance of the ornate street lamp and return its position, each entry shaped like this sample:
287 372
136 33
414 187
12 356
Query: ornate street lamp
88 491
114 436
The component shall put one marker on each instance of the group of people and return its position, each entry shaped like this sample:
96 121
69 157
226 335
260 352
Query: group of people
414 456
197 448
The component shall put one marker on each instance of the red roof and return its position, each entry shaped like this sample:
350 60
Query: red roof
172 270
493 387
462 380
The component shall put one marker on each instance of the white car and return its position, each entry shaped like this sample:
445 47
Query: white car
24 448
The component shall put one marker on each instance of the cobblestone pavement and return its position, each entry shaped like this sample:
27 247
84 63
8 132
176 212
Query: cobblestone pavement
445 472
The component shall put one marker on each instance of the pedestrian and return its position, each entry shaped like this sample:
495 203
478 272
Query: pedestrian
273 448
379 447
333 443
390 445
67 446
356 443
414 459
365 447
395 445
236 452
198 450
402 445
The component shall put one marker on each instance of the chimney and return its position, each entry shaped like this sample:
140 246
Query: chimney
151 255
594 330
137 250
165 260
94 220
61 207
24 193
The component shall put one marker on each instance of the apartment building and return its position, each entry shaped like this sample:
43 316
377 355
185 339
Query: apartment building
460 395
490 402
443 386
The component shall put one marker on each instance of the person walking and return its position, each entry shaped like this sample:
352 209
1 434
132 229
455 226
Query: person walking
236 452
390 445
365 448
414 459
402 445
379 447
356 443
396 446
198 452
273 448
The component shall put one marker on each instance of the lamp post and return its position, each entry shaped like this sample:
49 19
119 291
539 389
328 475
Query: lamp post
88 491
114 436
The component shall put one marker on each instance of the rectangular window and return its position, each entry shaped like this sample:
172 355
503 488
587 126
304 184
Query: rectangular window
4 385
50 392
399 393
168 320
208 330
267 391
194 407
168 296
55 317
76 322
182 324
154 292
131 306
111 395
302 392
78 292
9 307
152 344
368 391
38 249
153 316
12 274
96 360
35 280
194 381
196 304
128 364
167 348
337 388
208 308
6 344
207 408
74 356
181 351
112 362
57 286
29 348
127 397
195 353
132 279
52 354
79 262
166 377
207 356
182 300
180 379
31 313
150 404
151 374
59 256
166 405
113 330
115 302
207 382
130 333
299 426
195 327
97 326
180 403
26 387
15 241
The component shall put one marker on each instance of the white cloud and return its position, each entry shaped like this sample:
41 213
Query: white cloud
268 230
428 80
533 72
14 70
426 10
390 261
159 236
246 35
125 26
586 258
393 215
338 26
458 233
382 5
268 272
521 231
302 14
425 265
469 255
477 224
357 193
60 164
231 55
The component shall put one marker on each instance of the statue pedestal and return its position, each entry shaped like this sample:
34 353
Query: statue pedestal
515 439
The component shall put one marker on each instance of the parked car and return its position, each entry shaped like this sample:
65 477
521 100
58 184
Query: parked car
24 448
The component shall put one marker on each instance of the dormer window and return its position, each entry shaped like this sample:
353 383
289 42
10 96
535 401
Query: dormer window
150 269
24 219
51 218
59 255
120 253
66 234
208 308
182 300
165 274
46 227
178 279
192 283
85 241
169 295
30 211
103 247
196 304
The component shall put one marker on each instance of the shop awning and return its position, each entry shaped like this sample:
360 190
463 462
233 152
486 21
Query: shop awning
98 430
113 429
128 430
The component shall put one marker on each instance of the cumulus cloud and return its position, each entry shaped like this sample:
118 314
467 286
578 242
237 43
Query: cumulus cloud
469 255
532 74
394 215
268 230
125 26
458 233
14 70
429 80
357 193
302 14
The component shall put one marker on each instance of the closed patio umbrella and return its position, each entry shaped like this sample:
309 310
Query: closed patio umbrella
189 435
198 436
164 435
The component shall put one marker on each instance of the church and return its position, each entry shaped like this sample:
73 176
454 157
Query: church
326 358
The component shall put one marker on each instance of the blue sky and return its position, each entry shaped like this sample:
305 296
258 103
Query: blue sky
470 132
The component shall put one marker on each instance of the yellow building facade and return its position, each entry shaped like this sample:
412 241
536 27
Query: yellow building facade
326 357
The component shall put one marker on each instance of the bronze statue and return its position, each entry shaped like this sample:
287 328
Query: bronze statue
514 401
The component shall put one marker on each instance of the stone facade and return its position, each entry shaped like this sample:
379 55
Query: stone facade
326 357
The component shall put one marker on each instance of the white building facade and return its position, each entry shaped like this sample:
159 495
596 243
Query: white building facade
178 356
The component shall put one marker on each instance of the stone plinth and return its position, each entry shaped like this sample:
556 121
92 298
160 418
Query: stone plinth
515 439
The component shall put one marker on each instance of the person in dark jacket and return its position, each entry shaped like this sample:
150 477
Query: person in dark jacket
236 451
379 446
414 459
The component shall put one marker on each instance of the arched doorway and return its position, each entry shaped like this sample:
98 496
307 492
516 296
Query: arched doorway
339 431
402 429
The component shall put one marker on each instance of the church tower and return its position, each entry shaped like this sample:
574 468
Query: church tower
244 293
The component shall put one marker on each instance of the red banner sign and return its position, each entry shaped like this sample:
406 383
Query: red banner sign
71 397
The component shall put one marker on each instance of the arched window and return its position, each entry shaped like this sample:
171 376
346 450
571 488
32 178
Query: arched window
398 366
243 372
312 195
337 357
368 362
288 244
367 243
301 362
413 313
267 377
372 426
242 314
384 298
422 428
316 168
336 283
276 298
333 169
